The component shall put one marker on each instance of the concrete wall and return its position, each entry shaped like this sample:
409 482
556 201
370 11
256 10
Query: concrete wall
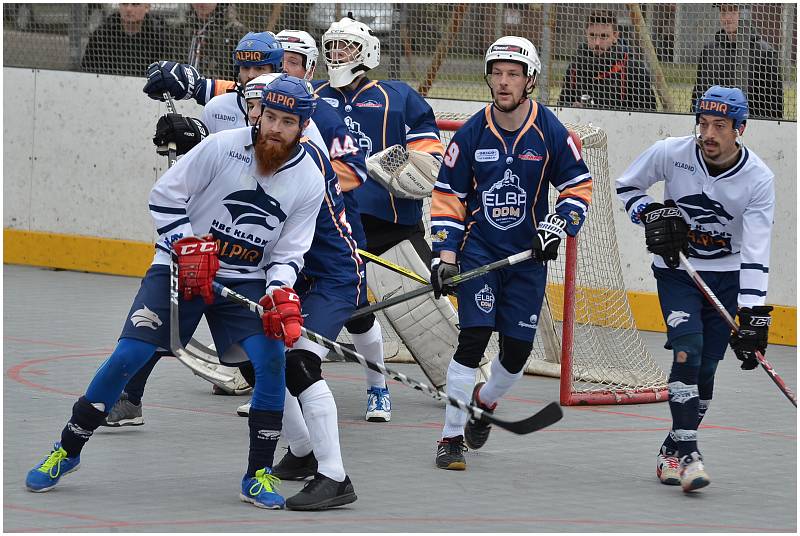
78 159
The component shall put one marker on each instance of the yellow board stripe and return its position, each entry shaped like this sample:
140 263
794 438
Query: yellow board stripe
125 257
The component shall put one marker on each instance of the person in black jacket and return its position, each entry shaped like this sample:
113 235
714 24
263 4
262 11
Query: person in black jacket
605 73
207 39
126 43
717 66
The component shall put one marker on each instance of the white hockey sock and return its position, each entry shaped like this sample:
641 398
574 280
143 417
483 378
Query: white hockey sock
460 381
294 427
500 382
319 412
370 345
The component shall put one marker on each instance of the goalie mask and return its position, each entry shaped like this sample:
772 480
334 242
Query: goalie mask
350 49
302 43
518 50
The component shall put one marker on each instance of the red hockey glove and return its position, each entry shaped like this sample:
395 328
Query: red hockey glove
197 266
282 318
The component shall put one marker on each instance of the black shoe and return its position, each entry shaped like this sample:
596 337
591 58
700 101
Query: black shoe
292 467
450 454
322 493
475 432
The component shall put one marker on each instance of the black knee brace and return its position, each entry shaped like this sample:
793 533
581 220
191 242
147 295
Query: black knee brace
514 353
360 325
471 346
303 369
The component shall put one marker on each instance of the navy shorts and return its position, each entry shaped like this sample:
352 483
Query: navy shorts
686 311
326 304
508 300
229 323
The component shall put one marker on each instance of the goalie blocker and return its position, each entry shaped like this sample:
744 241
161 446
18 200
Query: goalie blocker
407 174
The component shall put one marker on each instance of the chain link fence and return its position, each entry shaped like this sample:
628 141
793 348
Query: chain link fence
636 57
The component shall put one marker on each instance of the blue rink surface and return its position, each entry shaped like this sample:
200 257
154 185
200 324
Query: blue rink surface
592 472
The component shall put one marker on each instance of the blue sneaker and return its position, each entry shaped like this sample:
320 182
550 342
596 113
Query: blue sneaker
260 490
46 475
379 405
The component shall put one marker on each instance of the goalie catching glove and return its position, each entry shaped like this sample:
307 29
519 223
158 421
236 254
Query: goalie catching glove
665 232
282 319
549 235
184 132
407 174
197 266
753 333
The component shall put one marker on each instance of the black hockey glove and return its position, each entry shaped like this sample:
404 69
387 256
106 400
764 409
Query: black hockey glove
180 80
440 271
185 132
753 332
549 235
665 232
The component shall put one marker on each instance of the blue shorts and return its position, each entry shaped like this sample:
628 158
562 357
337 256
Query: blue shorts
686 311
326 304
507 300
229 323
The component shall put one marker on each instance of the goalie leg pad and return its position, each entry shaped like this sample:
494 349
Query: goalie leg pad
303 369
471 346
426 326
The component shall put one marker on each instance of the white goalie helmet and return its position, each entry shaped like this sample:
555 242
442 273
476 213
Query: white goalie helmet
517 49
255 87
301 43
350 49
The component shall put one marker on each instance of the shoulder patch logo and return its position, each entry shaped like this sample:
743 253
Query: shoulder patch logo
145 318
440 235
677 318
505 203
332 102
484 299
487 155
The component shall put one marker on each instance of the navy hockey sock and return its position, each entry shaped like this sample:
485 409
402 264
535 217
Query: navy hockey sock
84 421
705 386
135 387
683 392
265 430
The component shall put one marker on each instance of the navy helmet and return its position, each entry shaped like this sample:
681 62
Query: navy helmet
727 102
260 48
290 94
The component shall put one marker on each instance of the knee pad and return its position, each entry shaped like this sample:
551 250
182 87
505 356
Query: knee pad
692 346
360 325
303 369
514 353
86 416
471 346
705 380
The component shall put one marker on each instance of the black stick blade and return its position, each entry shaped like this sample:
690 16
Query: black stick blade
548 415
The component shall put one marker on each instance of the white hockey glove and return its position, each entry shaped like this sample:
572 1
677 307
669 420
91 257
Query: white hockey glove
408 174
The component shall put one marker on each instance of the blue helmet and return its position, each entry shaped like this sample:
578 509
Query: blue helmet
290 94
260 48
727 102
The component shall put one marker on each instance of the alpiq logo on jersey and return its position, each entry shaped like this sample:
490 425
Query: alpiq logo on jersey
505 203
484 299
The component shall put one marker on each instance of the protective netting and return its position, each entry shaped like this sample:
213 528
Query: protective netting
659 56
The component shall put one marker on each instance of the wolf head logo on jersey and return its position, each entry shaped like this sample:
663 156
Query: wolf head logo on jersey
145 318
703 209
254 207
505 203
484 299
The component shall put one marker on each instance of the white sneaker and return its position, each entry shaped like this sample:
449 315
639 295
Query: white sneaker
244 409
379 405
668 467
693 474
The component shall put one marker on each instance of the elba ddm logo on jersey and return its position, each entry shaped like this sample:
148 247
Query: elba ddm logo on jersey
364 141
484 299
505 203
677 318
145 318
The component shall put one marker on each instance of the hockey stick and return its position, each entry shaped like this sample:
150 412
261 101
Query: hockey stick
453 281
389 265
550 414
173 148
712 298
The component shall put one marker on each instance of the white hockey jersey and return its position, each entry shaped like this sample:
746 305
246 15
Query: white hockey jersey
261 223
729 216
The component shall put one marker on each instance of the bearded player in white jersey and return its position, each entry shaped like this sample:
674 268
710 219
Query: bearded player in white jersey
240 207
719 201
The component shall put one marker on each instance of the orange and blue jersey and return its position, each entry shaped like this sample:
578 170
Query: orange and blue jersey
380 114
492 189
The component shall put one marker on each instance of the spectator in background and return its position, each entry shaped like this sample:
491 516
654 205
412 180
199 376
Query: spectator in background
207 39
717 66
126 43
605 73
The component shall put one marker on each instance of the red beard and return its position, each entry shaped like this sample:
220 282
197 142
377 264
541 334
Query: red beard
270 157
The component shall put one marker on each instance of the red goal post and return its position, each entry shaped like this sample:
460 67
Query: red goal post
586 335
